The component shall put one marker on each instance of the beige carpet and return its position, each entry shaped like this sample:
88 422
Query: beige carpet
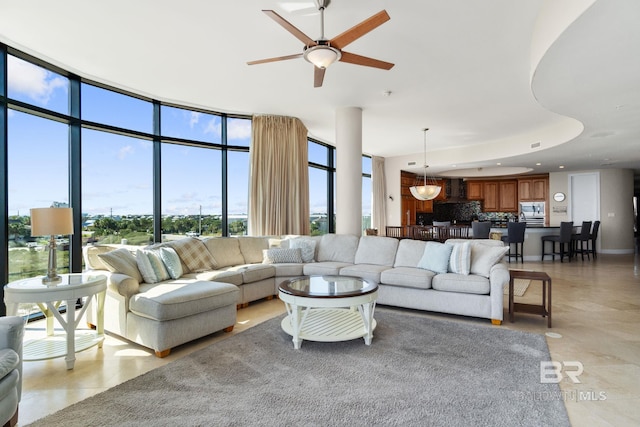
519 287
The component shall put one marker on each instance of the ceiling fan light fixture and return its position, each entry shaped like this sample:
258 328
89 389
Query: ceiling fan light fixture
322 55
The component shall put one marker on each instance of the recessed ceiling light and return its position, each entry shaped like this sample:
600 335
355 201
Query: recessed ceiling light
498 163
453 166
538 164
561 167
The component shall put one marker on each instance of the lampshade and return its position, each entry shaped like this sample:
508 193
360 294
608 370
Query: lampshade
429 189
51 221
322 56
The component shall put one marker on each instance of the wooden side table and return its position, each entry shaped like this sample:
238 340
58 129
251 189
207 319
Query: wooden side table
545 309
48 298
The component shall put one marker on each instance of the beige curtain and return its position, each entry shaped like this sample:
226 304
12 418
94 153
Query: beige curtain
378 188
279 177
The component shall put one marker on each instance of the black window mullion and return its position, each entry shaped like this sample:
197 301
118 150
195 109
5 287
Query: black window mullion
75 174
225 198
157 173
4 200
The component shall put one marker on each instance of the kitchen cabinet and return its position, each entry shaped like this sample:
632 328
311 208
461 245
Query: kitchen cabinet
533 189
474 190
508 196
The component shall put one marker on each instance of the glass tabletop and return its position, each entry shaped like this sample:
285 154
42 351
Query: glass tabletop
327 286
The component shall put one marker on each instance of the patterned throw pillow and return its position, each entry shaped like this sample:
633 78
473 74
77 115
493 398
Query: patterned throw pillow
171 261
435 257
194 253
121 261
279 256
151 266
460 260
307 248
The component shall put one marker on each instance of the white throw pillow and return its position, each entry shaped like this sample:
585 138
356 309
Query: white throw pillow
121 261
280 256
484 257
460 259
307 248
436 257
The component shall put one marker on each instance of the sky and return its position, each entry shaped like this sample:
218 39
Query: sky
117 170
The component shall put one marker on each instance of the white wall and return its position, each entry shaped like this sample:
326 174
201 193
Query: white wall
616 208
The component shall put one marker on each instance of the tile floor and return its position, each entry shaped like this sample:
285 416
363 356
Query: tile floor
596 311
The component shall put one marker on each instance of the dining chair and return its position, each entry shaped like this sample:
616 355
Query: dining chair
480 229
563 240
515 235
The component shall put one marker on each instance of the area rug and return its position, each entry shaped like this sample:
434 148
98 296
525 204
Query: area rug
418 371
519 287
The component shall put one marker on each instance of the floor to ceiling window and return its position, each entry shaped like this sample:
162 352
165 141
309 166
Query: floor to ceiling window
367 196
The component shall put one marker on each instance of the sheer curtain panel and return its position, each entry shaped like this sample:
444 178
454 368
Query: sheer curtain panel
378 188
279 181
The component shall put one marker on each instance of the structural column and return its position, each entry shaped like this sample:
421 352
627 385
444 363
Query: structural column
349 170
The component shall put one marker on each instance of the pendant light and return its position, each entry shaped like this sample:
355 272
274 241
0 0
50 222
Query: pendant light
429 189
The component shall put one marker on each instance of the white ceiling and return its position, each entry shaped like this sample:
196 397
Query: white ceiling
489 78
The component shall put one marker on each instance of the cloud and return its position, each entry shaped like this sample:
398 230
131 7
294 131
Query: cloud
238 129
33 81
125 151
194 118
213 127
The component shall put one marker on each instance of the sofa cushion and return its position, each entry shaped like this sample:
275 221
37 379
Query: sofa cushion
338 247
409 252
91 257
470 284
408 277
436 257
376 250
225 250
279 256
121 261
151 266
252 247
254 272
307 248
460 259
286 270
369 272
178 299
233 277
484 257
194 254
322 268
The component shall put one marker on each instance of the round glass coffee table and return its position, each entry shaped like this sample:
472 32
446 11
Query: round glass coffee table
328 308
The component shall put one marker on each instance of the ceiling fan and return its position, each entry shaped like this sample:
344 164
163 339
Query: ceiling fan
322 52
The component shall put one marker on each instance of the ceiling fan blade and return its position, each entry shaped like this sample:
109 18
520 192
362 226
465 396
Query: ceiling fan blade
318 76
277 58
352 58
354 33
289 27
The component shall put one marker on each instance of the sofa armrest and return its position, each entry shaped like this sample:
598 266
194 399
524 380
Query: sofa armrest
498 277
123 284
11 337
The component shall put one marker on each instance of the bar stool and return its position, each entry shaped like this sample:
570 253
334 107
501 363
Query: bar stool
583 240
481 229
591 244
515 234
563 239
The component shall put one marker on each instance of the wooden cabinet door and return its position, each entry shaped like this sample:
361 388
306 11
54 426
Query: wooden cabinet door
490 192
408 213
524 189
508 196
539 189
474 190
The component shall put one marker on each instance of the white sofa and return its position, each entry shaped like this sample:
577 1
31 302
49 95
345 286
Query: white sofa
230 272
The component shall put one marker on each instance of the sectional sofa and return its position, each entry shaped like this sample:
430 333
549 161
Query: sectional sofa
168 294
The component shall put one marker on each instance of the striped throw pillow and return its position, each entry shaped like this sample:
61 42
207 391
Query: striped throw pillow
460 259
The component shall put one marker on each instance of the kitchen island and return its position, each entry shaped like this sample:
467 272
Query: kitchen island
532 247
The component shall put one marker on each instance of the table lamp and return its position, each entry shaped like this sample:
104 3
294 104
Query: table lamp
53 222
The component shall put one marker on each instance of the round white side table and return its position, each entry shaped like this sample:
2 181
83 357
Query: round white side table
48 298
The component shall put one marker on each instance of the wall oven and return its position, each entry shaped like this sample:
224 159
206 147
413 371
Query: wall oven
532 212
